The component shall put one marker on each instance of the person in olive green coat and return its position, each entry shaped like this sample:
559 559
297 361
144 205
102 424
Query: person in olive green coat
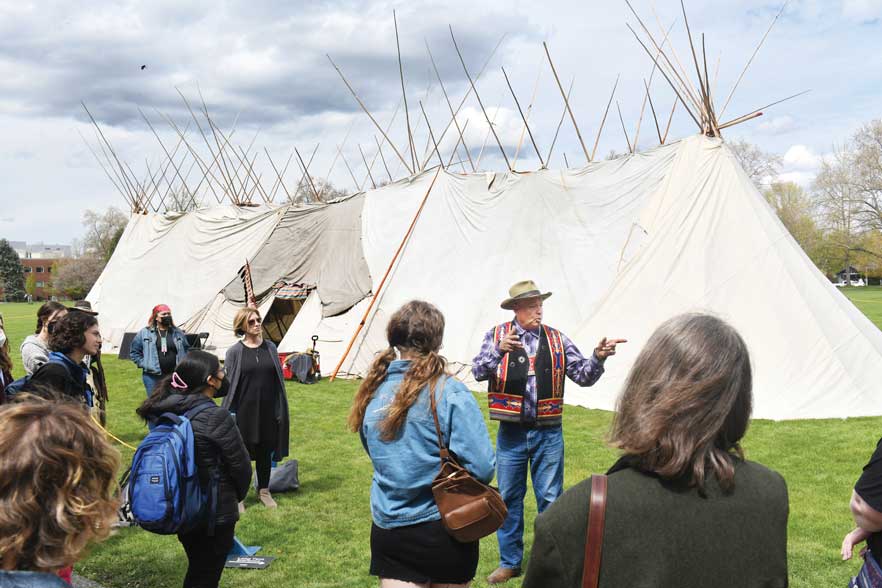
684 507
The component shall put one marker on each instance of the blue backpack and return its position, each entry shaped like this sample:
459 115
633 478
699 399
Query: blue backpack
164 492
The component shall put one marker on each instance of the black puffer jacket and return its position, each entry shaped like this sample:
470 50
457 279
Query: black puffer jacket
217 441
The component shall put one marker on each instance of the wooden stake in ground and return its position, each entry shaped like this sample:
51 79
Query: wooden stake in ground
379 289
566 102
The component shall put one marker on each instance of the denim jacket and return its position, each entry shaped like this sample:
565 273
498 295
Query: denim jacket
10 579
143 351
401 491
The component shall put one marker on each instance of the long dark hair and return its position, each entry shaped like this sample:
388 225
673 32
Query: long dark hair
193 371
45 312
687 401
417 327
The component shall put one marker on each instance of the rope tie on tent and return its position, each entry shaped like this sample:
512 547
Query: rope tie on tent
112 436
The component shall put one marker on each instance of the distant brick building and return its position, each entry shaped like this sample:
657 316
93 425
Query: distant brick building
37 259
42 271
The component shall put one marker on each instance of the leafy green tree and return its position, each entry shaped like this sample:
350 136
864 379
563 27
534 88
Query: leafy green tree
31 284
11 273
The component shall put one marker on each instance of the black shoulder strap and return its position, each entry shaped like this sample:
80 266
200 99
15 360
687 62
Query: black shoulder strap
198 408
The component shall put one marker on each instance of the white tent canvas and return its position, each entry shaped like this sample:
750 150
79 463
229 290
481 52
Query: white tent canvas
623 245
182 260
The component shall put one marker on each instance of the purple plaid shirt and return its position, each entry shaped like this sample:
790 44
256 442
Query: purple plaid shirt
582 370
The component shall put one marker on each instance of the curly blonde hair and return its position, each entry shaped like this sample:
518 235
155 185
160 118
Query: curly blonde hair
58 488
416 327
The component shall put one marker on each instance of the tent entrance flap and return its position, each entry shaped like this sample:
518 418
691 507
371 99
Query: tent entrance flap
279 318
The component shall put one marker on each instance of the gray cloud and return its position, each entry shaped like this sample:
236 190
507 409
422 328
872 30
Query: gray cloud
267 58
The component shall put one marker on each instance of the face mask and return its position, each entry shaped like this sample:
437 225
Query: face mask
165 321
224 388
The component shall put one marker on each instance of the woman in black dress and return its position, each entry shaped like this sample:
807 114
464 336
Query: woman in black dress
257 398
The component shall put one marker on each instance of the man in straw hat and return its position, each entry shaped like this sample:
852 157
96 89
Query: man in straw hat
525 363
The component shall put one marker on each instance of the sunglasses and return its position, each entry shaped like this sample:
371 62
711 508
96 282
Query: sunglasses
254 321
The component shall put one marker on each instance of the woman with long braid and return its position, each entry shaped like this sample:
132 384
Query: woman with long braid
391 412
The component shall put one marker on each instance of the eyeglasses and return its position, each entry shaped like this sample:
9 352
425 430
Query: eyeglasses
254 321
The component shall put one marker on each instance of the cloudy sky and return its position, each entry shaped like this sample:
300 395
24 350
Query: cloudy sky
262 69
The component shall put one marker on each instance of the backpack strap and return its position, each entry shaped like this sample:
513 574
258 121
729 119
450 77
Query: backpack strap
214 477
198 408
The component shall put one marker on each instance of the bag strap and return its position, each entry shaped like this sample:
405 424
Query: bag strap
443 451
197 409
594 539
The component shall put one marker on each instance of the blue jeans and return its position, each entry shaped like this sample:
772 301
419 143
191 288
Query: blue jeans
516 446
150 382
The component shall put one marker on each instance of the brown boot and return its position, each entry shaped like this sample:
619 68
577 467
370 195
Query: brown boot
266 498
502 575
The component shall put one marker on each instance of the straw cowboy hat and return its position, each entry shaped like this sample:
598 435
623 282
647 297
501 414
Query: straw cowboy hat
522 291
83 306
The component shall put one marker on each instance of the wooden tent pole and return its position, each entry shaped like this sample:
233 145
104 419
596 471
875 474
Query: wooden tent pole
753 114
432 135
385 276
652 109
456 147
306 171
480 102
621 120
563 116
749 61
449 106
279 176
524 118
566 101
404 95
367 167
673 87
670 120
383 158
370 116
605 113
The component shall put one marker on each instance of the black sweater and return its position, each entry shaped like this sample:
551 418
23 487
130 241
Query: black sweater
217 441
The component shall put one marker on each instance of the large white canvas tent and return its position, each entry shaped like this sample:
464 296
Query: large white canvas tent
623 245
193 262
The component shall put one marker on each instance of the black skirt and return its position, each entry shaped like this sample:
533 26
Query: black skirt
422 554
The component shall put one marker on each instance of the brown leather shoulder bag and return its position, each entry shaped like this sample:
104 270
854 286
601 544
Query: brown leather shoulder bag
594 538
469 508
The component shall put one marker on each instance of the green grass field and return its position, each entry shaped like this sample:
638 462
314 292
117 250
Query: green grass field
320 534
